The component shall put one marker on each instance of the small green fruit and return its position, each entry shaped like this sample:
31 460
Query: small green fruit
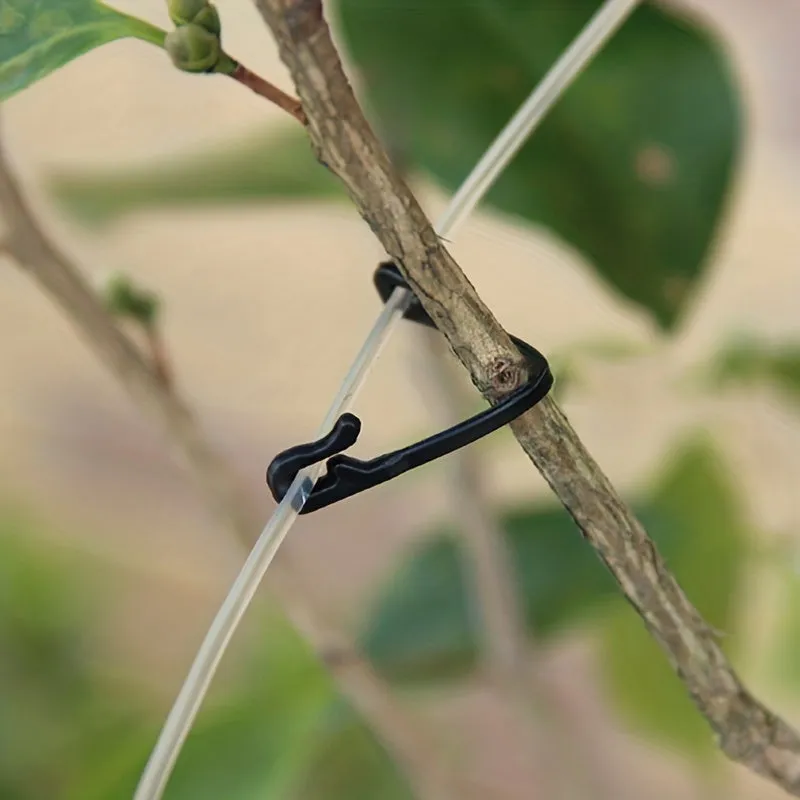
195 12
209 19
183 12
193 48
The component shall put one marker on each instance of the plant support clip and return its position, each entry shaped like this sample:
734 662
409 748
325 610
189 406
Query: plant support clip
347 476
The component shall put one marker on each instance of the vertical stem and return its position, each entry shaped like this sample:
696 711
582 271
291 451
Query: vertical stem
263 88
506 649
503 627
159 358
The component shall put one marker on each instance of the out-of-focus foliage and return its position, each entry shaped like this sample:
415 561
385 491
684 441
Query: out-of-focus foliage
785 656
423 627
68 733
568 365
267 168
37 37
753 363
55 714
126 300
348 764
701 503
252 743
631 167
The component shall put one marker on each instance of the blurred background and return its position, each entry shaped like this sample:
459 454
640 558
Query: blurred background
645 240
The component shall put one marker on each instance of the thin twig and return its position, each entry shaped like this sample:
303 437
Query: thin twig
416 757
746 730
508 649
159 356
493 582
270 92
502 623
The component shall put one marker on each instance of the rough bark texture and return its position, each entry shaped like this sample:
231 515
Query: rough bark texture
747 732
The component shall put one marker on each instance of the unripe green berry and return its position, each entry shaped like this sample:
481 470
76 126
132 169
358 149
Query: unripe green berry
195 12
209 19
182 12
193 48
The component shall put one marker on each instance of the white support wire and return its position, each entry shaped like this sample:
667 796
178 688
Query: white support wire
179 722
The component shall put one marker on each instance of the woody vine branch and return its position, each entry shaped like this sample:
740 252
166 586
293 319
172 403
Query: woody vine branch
746 730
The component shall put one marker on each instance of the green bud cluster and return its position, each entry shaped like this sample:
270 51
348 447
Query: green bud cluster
195 12
124 299
194 45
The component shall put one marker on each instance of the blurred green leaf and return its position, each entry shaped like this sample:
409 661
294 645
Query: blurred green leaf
68 733
127 300
270 167
785 653
348 764
38 37
43 676
423 626
60 723
749 363
568 364
631 167
699 499
250 745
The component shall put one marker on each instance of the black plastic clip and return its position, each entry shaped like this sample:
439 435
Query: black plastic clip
347 476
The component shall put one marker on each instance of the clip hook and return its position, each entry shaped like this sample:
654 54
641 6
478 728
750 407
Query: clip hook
347 476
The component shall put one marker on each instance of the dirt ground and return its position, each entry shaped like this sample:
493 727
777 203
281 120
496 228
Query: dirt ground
251 295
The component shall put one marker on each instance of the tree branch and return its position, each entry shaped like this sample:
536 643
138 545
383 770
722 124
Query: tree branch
415 756
746 730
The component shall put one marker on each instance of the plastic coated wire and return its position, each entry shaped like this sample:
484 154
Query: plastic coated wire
179 722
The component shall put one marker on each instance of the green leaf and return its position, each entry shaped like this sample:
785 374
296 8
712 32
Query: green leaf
698 499
784 654
38 37
752 363
249 746
253 745
269 167
46 686
348 764
424 627
70 733
631 167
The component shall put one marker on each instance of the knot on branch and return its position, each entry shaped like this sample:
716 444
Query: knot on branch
505 376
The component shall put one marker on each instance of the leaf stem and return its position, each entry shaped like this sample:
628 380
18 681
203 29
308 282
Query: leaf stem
269 91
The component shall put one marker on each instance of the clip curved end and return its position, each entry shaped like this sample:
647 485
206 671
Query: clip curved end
283 469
